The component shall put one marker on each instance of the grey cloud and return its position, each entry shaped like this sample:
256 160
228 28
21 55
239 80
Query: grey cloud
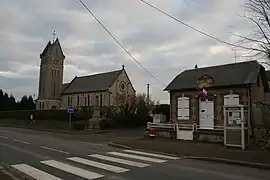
162 45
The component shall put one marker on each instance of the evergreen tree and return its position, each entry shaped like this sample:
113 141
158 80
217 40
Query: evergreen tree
24 103
30 103
8 102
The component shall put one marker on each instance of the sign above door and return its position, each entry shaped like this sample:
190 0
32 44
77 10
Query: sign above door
204 81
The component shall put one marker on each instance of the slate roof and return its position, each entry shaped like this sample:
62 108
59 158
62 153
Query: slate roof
223 75
64 86
46 49
92 83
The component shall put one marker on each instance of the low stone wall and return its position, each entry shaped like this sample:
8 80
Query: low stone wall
261 125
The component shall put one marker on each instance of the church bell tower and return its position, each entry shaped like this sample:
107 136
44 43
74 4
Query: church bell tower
50 76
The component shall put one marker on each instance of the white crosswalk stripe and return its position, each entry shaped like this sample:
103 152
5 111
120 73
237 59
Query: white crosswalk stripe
137 157
99 165
34 173
138 161
72 169
120 161
151 154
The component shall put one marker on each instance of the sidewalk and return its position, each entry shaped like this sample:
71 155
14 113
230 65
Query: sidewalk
197 150
66 131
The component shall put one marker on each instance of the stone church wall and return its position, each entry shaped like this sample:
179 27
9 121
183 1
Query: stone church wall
85 99
116 91
109 98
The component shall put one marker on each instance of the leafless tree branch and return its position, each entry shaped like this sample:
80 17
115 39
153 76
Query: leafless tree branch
258 44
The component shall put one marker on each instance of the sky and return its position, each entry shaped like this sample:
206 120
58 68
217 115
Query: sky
163 46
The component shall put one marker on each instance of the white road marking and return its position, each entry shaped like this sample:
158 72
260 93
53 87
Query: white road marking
99 165
56 150
93 144
152 154
24 142
34 173
137 157
118 160
4 137
71 169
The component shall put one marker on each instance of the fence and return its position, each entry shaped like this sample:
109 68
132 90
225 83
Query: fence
182 131
164 126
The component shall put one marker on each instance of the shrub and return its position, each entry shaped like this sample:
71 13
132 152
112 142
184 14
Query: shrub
80 125
125 121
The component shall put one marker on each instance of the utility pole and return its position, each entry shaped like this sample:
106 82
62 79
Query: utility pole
235 56
147 95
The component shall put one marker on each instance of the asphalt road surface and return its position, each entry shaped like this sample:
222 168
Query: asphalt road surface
54 156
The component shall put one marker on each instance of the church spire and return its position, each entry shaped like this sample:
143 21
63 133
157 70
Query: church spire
54 34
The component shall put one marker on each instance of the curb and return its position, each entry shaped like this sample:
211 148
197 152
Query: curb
217 160
118 145
233 162
56 131
14 173
127 147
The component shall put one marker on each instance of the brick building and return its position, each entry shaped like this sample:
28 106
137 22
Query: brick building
245 82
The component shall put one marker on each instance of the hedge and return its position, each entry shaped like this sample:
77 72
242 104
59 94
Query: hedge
58 115
125 121
80 119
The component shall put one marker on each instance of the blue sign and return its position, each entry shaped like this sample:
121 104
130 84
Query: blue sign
70 109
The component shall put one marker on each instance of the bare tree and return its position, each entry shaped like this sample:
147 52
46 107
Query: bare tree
258 42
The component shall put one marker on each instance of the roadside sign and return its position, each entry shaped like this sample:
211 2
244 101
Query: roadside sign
70 109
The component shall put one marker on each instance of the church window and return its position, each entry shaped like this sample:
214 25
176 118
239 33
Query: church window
70 101
100 100
88 100
97 100
78 100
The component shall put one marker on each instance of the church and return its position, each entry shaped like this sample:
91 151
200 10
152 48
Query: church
104 89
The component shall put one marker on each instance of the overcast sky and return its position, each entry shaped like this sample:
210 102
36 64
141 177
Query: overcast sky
162 45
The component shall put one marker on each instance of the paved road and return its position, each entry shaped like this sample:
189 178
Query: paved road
51 156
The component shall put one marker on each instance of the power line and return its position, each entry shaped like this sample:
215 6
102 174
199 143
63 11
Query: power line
197 30
104 27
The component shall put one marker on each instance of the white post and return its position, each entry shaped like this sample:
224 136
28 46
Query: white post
242 128
225 124
69 121
177 129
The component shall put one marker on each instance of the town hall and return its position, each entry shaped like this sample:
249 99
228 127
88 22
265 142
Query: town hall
104 89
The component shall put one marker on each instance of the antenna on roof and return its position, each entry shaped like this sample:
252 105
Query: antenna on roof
234 55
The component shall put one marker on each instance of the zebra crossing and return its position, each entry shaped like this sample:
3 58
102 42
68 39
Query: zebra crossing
129 158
